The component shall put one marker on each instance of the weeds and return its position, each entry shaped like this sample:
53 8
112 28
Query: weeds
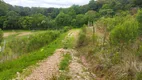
21 45
65 62
64 67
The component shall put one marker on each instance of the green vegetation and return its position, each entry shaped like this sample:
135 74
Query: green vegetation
117 48
112 42
82 37
125 32
21 45
64 67
8 69
18 17
65 62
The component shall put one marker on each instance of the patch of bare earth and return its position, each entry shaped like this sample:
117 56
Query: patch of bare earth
6 34
24 34
78 71
48 68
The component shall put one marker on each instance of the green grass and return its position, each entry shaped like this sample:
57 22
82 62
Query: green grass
64 66
65 62
8 69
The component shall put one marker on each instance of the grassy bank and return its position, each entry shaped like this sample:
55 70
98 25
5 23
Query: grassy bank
8 69
18 46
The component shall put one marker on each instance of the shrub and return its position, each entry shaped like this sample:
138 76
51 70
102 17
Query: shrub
124 33
110 23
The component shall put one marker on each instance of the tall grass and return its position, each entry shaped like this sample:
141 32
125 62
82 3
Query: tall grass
21 45
112 63
8 69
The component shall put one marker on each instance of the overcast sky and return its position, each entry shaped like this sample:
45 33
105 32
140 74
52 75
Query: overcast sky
47 3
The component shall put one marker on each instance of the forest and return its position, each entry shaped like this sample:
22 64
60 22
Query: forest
101 40
18 17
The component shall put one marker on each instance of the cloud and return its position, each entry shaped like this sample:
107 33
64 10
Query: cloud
47 3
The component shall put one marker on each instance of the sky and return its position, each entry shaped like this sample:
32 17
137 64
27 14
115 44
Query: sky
47 3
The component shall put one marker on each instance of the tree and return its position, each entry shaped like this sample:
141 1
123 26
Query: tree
106 12
91 15
138 2
37 21
92 5
76 8
12 21
80 20
3 8
26 22
63 19
2 19
71 12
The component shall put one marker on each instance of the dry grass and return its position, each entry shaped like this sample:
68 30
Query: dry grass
108 62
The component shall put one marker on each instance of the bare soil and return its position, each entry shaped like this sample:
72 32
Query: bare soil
6 34
24 34
48 68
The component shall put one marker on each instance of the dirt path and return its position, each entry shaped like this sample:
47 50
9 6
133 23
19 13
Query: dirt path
24 34
77 70
48 68
19 34
6 34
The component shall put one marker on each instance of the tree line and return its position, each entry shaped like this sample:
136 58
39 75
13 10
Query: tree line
18 17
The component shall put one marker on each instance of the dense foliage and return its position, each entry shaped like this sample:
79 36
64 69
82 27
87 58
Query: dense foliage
125 32
18 17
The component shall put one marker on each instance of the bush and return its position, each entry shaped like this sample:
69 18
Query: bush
124 33
110 23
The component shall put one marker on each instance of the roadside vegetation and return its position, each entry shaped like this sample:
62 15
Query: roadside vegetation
115 52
